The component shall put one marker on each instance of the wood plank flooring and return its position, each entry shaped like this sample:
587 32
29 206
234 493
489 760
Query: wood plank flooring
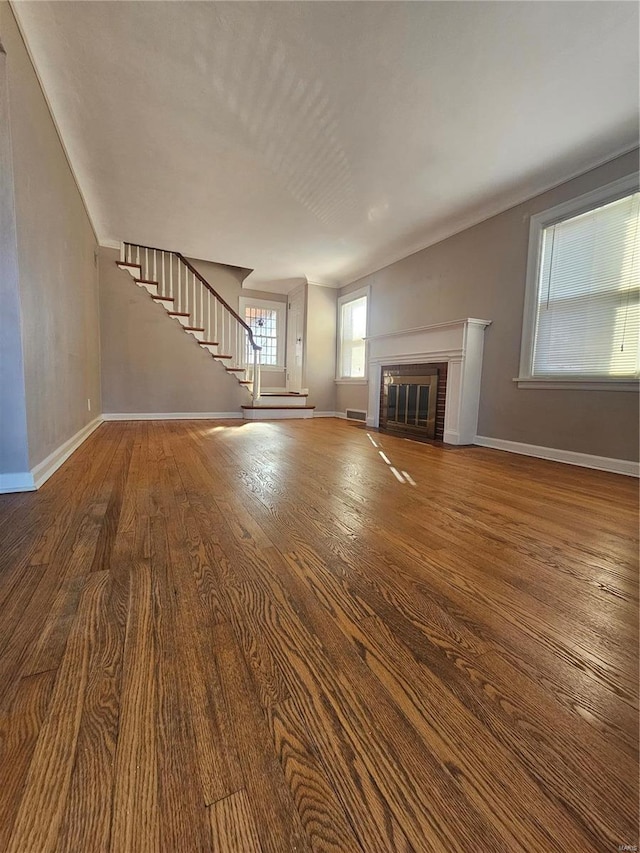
239 637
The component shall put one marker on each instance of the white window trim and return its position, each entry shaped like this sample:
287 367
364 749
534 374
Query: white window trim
343 300
540 221
281 308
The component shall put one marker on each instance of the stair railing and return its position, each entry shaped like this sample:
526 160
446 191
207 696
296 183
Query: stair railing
190 298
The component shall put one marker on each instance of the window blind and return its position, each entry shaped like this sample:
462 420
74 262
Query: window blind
353 328
588 306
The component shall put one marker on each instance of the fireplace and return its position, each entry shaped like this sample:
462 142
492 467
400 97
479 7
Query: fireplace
412 399
455 349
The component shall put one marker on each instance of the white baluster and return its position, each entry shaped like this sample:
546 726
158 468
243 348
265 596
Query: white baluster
215 321
121 252
155 271
138 257
164 293
256 375
209 335
202 323
171 276
179 289
146 264
195 302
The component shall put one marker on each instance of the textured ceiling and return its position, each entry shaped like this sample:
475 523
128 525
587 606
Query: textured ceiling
326 139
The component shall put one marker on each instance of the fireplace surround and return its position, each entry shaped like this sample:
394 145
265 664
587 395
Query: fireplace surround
457 346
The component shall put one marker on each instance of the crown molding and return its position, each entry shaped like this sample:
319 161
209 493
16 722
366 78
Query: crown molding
334 285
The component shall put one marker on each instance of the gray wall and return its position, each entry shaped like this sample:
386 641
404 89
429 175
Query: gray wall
57 273
149 364
481 273
14 450
320 358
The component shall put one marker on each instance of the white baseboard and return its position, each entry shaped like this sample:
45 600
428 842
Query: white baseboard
569 457
341 415
43 470
22 482
172 416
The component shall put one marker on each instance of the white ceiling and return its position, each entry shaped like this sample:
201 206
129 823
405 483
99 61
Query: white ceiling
325 139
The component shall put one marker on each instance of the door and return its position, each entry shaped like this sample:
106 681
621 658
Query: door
295 339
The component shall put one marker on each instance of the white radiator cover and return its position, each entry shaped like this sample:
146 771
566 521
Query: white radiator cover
460 343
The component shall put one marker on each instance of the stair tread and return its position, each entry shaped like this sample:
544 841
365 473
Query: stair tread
193 328
127 264
217 355
179 314
145 281
266 408
210 343
292 394
235 369
163 298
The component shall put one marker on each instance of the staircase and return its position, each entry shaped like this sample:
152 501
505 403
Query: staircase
188 298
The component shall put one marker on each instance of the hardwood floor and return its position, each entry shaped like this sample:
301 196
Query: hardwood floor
224 636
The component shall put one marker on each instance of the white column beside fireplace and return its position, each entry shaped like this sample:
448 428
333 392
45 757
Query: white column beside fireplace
460 344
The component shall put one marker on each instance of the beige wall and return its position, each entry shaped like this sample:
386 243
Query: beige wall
227 281
149 364
57 273
320 359
481 273
352 397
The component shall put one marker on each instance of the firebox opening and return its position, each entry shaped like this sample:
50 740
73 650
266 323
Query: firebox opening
409 400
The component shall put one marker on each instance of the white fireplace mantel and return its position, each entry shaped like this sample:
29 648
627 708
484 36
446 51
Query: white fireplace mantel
460 344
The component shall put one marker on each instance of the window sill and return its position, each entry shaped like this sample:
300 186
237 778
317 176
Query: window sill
351 381
577 383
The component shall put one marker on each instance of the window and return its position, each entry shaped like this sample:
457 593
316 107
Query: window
267 322
352 330
582 308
